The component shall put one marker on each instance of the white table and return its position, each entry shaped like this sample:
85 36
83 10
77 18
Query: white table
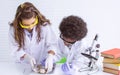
59 72
9 68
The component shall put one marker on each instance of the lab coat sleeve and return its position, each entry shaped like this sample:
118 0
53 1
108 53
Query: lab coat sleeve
80 61
51 41
60 47
17 54
59 54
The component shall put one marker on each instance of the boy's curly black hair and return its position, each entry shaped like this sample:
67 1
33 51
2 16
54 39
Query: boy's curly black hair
73 27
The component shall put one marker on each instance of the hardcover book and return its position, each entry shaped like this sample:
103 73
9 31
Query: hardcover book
111 60
112 71
112 53
112 66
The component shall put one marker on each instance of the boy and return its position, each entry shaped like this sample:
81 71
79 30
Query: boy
73 29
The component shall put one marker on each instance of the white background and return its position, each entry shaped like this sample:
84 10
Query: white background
101 16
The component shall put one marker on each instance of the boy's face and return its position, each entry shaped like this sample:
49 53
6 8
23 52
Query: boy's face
67 41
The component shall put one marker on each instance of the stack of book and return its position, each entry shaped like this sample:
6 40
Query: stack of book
111 61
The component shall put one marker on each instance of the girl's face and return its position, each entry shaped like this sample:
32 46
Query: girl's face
29 23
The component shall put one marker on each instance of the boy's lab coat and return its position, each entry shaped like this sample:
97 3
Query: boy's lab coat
73 55
38 50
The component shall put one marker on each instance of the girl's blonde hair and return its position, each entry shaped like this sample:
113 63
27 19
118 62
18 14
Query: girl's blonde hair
26 11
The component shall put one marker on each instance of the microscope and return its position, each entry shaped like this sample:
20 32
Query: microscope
92 53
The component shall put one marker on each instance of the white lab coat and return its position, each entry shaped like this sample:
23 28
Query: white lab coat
38 50
73 55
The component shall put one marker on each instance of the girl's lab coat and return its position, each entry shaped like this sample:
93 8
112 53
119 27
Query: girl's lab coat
38 50
73 55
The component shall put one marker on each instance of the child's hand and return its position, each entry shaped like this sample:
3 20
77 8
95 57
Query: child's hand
67 68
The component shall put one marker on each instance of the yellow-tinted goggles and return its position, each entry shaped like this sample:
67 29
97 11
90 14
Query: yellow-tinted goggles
29 26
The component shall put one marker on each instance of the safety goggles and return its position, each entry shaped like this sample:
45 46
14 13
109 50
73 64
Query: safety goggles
30 26
66 40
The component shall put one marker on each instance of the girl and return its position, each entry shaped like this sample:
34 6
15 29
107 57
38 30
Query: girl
32 38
